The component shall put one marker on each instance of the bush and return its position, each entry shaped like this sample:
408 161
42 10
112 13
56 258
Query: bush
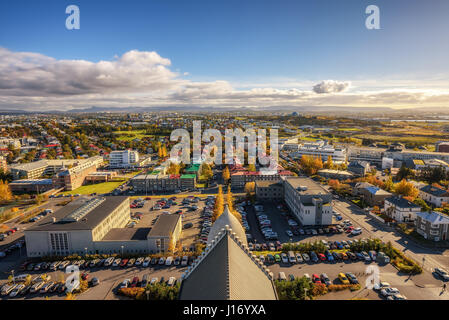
340 287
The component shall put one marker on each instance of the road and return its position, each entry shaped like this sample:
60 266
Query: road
375 229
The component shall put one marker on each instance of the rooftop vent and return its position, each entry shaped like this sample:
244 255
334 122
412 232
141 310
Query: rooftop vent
302 188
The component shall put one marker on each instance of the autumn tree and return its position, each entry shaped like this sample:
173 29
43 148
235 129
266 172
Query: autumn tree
206 171
226 174
5 191
173 168
250 188
219 204
310 165
252 167
329 163
406 189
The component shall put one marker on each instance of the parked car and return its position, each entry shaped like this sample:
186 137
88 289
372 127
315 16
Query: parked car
325 279
381 285
352 278
343 279
389 291
442 273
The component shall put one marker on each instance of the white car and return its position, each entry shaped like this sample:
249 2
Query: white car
184 261
289 233
284 258
16 290
356 231
396 297
146 262
139 261
389 292
381 285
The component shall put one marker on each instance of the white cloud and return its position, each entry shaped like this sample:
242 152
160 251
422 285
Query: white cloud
331 86
38 82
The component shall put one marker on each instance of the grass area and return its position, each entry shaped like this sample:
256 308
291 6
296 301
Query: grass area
104 187
131 135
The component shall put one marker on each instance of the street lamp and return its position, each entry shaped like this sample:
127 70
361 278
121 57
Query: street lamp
12 273
122 249
148 294
85 250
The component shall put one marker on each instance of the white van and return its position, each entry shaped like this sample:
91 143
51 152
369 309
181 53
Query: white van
171 281
291 257
21 278
282 276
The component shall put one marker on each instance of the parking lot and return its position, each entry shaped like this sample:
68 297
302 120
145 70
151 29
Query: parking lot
109 277
188 235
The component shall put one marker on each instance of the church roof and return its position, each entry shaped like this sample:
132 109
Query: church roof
227 270
227 219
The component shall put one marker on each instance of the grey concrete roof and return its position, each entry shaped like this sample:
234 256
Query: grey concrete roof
126 234
165 225
313 188
227 272
89 221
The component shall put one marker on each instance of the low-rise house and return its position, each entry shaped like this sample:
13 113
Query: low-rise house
401 209
432 225
434 195
372 195
359 168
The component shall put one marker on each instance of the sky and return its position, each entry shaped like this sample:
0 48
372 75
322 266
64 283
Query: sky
218 53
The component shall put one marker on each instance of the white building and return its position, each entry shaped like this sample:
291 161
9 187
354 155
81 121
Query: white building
434 195
401 209
123 158
308 201
98 226
320 149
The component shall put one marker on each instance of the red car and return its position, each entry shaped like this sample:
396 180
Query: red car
316 279
123 263
84 276
349 230
322 257
179 212
135 282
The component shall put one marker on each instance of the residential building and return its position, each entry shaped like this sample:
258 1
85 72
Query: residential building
432 225
267 190
359 168
74 177
308 201
401 209
188 181
154 181
374 196
434 195
123 159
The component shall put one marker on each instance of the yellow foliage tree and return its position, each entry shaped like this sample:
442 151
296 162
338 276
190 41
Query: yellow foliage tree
219 205
406 189
226 174
250 188
5 191
230 203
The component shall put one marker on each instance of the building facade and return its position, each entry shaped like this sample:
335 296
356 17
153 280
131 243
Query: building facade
123 158
308 201
432 225
401 209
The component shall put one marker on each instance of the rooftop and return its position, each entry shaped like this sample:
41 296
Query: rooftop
87 222
434 217
127 234
165 225
306 186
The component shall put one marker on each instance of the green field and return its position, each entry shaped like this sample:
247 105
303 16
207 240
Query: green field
131 135
104 187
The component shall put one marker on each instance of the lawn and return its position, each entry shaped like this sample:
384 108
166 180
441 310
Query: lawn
131 135
104 187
